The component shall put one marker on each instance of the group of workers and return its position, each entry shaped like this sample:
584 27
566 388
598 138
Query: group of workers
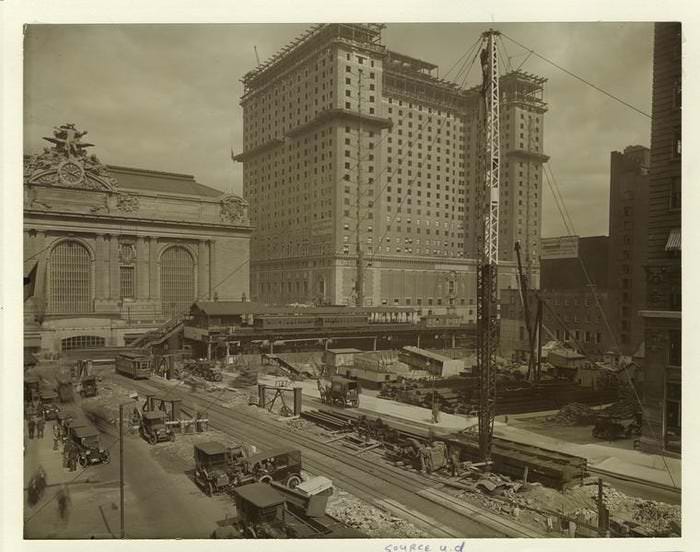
36 421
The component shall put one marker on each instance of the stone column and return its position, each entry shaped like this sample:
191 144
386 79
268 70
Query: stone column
203 270
153 272
212 269
101 269
113 268
141 268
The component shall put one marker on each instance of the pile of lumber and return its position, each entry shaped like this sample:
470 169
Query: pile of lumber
574 414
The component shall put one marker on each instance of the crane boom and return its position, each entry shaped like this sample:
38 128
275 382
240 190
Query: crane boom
522 280
487 273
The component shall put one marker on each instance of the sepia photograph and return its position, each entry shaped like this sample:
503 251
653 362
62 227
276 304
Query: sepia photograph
351 280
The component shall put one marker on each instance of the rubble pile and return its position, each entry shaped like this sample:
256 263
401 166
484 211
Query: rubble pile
368 519
658 517
574 414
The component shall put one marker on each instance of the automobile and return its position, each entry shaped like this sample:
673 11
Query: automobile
31 388
283 465
153 427
48 406
212 461
88 386
342 392
87 439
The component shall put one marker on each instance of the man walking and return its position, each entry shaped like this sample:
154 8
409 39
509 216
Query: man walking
31 424
40 423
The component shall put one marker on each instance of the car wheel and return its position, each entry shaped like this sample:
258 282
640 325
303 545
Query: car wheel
265 479
83 461
293 481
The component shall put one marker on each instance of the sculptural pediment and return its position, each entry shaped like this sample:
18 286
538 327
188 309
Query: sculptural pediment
234 209
67 163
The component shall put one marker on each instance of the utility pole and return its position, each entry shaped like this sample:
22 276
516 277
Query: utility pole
121 471
487 276
359 279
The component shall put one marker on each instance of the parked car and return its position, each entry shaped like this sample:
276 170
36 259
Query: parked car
90 451
212 461
48 400
283 465
153 427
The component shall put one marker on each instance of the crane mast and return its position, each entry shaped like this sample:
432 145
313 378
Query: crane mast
487 274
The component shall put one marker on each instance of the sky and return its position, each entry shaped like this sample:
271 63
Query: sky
166 97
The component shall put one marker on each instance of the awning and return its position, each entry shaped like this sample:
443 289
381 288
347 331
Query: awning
674 240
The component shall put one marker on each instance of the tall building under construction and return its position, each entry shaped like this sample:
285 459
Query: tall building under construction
343 137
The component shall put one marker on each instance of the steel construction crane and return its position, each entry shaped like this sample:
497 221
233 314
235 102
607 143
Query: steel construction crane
487 273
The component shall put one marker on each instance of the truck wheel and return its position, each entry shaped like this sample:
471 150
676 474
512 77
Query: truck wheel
293 481
82 460
152 439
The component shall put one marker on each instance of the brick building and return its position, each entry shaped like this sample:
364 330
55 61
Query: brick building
335 125
629 194
111 252
662 314
572 312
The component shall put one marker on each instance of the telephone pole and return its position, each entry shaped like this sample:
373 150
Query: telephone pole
359 279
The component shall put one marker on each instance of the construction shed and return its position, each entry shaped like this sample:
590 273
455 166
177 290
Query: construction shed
438 365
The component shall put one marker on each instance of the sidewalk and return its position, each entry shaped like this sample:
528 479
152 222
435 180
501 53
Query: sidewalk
631 463
90 514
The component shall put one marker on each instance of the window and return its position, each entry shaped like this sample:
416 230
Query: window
82 342
176 280
674 348
675 200
676 153
126 282
70 279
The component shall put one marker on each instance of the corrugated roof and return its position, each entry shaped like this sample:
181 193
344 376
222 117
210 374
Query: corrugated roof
674 240
164 182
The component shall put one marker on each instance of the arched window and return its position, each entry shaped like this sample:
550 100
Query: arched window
176 281
82 342
70 279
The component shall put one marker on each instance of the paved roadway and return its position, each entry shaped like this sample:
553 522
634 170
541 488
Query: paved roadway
160 503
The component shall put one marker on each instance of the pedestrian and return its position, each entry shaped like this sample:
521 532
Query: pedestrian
31 424
73 460
63 500
436 410
55 442
454 462
66 454
40 423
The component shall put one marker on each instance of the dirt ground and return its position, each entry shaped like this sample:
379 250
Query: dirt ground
579 434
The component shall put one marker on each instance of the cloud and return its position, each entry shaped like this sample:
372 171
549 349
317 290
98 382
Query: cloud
166 97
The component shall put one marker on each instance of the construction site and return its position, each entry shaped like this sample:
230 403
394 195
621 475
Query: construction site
259 420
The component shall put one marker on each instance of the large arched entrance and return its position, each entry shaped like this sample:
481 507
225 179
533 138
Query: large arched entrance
70 279
176 281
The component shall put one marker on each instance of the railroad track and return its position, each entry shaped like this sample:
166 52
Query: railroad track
404 494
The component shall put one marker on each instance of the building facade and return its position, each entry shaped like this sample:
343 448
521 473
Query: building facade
345 138
661 430
629 193
110 252
570 315
578 305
